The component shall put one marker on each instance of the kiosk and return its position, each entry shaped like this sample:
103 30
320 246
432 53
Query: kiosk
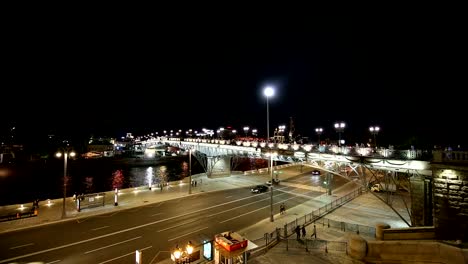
231 248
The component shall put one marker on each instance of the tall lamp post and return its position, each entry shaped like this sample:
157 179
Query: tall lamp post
66 154
374 130
319 132
190 171
268 92
339 127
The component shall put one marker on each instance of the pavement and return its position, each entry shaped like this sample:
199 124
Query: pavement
366 210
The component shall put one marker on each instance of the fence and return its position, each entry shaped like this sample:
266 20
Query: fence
90 200
314 244
273 238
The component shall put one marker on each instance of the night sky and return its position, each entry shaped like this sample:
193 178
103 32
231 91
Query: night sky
111 78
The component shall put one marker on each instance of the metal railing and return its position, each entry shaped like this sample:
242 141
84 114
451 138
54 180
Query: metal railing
276 236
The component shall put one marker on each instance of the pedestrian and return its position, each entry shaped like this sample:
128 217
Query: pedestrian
195 183
298 232
282 208
303 231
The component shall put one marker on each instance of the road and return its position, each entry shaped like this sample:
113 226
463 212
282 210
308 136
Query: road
153 229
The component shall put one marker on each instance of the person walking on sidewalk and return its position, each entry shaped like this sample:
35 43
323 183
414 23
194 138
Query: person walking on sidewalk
282 208
298 232
303 231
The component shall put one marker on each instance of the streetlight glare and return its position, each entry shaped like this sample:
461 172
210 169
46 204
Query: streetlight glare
268 92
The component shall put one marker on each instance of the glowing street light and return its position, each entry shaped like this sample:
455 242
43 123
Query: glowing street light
268 92
246 130
319 132
180 255
374 130
339 127
66 154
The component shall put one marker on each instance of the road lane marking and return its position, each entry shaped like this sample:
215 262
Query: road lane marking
120 231
131 253
255 210
182 224
187 234
55 261
102 227
156 214
111 245
25 245
227 197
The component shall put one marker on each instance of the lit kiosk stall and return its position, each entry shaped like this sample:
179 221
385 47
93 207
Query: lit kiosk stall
231 248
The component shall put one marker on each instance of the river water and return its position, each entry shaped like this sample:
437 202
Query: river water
23 183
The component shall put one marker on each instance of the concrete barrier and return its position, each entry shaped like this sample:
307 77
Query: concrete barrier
409 233
414 252
357 247
379 230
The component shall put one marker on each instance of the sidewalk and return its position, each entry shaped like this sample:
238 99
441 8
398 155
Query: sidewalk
362 210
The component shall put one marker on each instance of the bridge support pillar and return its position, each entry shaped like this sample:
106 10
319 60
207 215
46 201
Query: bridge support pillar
221 166
450 201
421 201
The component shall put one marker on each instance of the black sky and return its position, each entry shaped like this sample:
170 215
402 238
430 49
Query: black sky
110 78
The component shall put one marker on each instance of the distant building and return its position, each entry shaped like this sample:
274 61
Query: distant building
100 147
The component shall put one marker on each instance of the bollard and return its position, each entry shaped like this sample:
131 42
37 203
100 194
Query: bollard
116 196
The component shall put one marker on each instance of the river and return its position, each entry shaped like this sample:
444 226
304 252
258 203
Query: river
23 183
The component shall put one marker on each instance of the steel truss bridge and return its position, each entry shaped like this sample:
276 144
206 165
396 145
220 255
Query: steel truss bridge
400 168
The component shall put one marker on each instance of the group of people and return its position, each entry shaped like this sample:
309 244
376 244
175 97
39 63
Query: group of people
194 183
300 230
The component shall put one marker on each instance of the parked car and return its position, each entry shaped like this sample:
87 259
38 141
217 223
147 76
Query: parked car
275 181
381 187
259 189
315 172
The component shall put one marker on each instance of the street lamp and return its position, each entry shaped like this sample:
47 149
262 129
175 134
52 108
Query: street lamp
66 154
339 127
190 171
268 92
180 255
246 130
319 132
374 130
254 132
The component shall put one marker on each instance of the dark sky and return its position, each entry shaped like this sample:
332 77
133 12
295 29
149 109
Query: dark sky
109 78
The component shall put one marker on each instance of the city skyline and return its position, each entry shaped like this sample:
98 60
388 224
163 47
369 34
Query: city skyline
394 74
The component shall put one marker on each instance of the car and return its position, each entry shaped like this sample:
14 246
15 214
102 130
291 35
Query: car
259 189
275 181
315 172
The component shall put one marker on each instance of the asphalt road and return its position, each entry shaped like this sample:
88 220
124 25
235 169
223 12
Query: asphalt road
153 229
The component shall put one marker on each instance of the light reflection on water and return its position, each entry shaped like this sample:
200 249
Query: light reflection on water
44 180
23 184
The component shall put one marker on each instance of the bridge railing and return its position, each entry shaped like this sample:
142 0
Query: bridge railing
448 156
360 151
